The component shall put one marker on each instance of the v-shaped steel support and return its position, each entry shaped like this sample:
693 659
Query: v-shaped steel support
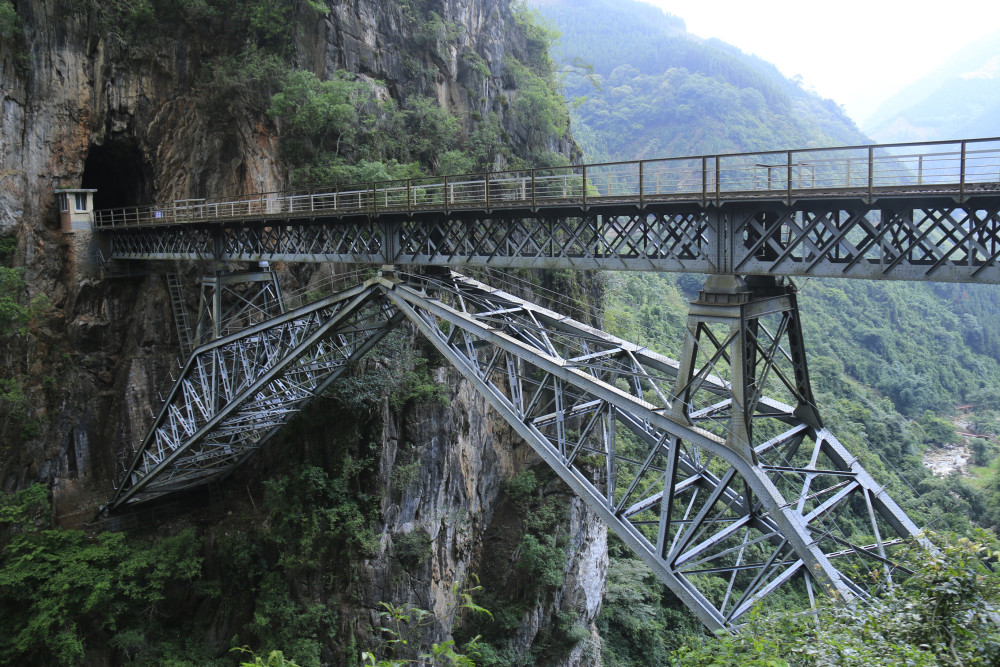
726 493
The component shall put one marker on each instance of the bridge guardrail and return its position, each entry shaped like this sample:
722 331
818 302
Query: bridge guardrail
949 167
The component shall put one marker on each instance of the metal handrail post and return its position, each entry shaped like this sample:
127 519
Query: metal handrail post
718 181
961 185
584 186
640 183
788 178
871 172
704 180
533 206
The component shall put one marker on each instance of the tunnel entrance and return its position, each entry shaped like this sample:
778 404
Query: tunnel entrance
119 173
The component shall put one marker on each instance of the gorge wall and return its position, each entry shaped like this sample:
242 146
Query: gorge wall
94 97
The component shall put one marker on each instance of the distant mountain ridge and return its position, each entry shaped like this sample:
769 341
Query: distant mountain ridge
662 91
958 100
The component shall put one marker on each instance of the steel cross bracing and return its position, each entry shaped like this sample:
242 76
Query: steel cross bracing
722 521
927 211
236 392
231 302
724 516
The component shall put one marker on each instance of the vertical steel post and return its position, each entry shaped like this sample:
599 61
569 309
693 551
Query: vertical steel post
641 190
871 172
788 178
534 208
585 186
961 186
704 181
718 181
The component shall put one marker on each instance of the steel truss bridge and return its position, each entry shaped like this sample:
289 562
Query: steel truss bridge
716 468
907 212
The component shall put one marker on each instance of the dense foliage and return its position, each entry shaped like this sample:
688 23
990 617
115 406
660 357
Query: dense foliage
60 589
338 131
658 91
942 614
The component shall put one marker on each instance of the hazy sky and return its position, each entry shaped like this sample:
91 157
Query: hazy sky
857 52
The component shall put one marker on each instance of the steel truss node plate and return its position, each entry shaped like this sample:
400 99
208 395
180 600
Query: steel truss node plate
725 528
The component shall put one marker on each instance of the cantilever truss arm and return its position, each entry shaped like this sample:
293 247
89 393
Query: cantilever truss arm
721 530
724 524
236 392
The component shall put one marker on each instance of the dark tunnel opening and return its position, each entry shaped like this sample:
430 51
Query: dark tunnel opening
120 174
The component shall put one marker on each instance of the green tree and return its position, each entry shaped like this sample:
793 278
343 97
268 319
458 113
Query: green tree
403 627
944 613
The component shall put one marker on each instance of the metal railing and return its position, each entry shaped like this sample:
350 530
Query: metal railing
951 167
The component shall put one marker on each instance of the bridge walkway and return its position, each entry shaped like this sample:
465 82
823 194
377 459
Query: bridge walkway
902 212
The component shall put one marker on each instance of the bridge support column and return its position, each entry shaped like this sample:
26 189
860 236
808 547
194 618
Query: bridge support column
745 331
234 301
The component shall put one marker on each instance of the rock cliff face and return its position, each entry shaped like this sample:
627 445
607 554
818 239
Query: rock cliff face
82 109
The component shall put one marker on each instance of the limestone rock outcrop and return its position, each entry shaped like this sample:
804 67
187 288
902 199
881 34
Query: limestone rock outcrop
79 109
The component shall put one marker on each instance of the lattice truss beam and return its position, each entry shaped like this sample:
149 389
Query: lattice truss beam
915 239
236 392
939 240
727 505
679 239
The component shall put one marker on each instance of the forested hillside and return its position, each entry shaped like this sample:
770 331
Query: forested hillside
656 90
889 361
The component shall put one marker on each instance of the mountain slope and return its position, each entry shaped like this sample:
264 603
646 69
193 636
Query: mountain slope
887 359
658 91
960 99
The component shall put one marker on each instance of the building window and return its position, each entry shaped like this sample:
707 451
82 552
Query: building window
81 201
64 202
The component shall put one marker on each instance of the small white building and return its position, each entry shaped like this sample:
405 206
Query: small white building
76 208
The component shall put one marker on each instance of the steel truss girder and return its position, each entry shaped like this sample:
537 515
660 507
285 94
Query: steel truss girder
722 525
905 238
926 239
236 392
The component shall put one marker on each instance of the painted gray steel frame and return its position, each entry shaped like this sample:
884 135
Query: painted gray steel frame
515 354
911 237
597 409
234 393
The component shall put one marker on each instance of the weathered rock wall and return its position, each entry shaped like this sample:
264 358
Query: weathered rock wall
93 363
